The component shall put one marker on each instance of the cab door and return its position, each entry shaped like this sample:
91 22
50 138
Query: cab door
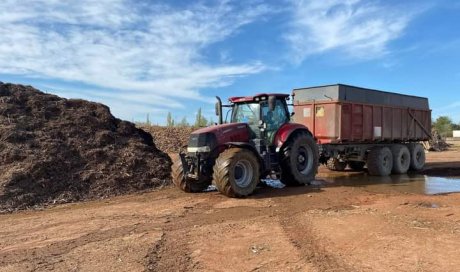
274 119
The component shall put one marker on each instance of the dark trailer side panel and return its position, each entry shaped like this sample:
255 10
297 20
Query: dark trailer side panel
341 113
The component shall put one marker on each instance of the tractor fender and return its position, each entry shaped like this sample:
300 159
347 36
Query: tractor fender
242 145
246 146
286 131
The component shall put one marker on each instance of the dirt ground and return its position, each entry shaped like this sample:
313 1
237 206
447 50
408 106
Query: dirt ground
330 226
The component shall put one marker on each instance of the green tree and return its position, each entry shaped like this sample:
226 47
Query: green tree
147 120
183 122
169 120
211 122
443 125
456 126
200 120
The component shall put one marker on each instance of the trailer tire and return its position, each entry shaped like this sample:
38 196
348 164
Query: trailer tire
186 185
299 160
236 172
335 165
380 161
417 156
401 159
356 165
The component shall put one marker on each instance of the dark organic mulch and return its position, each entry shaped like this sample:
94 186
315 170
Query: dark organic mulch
170 139
56 150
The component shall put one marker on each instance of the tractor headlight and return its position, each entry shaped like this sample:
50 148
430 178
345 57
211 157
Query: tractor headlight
200 149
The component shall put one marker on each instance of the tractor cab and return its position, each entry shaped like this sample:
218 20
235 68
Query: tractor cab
264 114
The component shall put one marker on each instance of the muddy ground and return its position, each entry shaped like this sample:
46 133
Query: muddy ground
345 222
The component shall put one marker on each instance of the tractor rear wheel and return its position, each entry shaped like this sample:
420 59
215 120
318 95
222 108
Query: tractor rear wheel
299 160
417 156
335 165
380 161
180 180
236 172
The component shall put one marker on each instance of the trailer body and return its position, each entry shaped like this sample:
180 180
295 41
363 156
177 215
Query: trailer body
349 123
346 114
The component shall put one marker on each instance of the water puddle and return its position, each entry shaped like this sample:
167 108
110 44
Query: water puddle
416 184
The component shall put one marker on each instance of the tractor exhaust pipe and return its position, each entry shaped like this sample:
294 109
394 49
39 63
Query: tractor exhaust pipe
219 110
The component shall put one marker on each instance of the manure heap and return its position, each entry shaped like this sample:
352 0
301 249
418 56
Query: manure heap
170 139
56 150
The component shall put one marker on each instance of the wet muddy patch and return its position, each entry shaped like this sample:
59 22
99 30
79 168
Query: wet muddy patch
442 172
410 183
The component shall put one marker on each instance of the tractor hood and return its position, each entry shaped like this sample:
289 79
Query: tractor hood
207 139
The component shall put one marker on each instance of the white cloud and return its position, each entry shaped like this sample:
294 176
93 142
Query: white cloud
360 29
151 52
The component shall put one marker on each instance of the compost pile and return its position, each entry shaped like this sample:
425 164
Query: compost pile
170 139
55 150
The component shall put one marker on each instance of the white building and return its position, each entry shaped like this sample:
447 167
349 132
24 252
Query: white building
456 133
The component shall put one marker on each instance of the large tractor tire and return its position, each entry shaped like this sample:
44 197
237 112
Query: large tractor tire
356 165
401 159
299 160
335 165
417 156
380 161
236 172
186 185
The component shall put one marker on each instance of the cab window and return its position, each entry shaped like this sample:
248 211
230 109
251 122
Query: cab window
274 119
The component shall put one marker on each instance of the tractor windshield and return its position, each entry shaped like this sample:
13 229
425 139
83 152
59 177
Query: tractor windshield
246 113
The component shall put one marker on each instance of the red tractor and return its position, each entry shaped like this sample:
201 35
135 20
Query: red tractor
259 141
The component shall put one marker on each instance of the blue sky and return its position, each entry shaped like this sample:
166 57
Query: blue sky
156 57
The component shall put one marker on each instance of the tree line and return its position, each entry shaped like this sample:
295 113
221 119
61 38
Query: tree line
200 121
444 126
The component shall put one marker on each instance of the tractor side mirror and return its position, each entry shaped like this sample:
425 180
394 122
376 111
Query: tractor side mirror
218 108
271 103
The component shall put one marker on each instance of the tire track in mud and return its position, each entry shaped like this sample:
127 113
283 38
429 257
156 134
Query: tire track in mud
46 257
309 245
173 252
170 254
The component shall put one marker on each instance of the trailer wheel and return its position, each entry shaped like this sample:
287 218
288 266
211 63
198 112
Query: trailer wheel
335 165
186 185
356 165
401 159
299 160
379 161
236 172
417 156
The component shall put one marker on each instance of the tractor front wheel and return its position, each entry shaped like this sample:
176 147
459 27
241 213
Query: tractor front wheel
180 180
236 172
299 160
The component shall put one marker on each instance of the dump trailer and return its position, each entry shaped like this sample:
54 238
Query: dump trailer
357 127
